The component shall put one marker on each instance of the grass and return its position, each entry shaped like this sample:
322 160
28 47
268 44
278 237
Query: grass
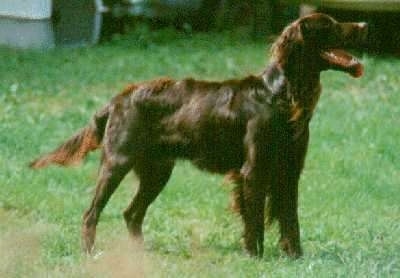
349 194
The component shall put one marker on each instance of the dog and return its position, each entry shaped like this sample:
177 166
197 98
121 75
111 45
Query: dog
255 130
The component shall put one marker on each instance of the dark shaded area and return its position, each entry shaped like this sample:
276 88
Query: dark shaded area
262 17
75 22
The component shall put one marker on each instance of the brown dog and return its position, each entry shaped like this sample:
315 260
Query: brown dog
253 129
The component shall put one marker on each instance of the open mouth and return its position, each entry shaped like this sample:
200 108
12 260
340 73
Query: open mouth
341 60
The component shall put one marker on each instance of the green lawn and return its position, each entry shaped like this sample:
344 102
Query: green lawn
349 193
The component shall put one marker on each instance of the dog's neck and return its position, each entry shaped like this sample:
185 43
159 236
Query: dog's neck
291 79
296 88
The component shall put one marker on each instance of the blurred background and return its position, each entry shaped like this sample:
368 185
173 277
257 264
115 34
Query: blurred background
50 23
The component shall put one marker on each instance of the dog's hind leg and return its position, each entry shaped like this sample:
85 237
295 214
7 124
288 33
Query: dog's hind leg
110 175
153 177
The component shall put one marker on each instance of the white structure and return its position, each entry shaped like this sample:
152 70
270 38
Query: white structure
29 23
29 9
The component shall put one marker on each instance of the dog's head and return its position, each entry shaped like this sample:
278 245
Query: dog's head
320 40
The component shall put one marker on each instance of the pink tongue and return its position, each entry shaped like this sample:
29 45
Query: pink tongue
344 61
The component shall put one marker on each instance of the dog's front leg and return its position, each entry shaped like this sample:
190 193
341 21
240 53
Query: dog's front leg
290 165
252 212
253 185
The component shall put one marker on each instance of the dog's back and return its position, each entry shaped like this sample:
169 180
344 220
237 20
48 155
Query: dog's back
197 120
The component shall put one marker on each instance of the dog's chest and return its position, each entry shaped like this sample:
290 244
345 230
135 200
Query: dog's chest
301 108
303 102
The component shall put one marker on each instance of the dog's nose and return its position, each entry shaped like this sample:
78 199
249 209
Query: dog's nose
363 25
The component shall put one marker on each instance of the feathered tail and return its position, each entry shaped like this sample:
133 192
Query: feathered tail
78 146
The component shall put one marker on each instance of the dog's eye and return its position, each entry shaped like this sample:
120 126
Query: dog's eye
316 26
321 32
